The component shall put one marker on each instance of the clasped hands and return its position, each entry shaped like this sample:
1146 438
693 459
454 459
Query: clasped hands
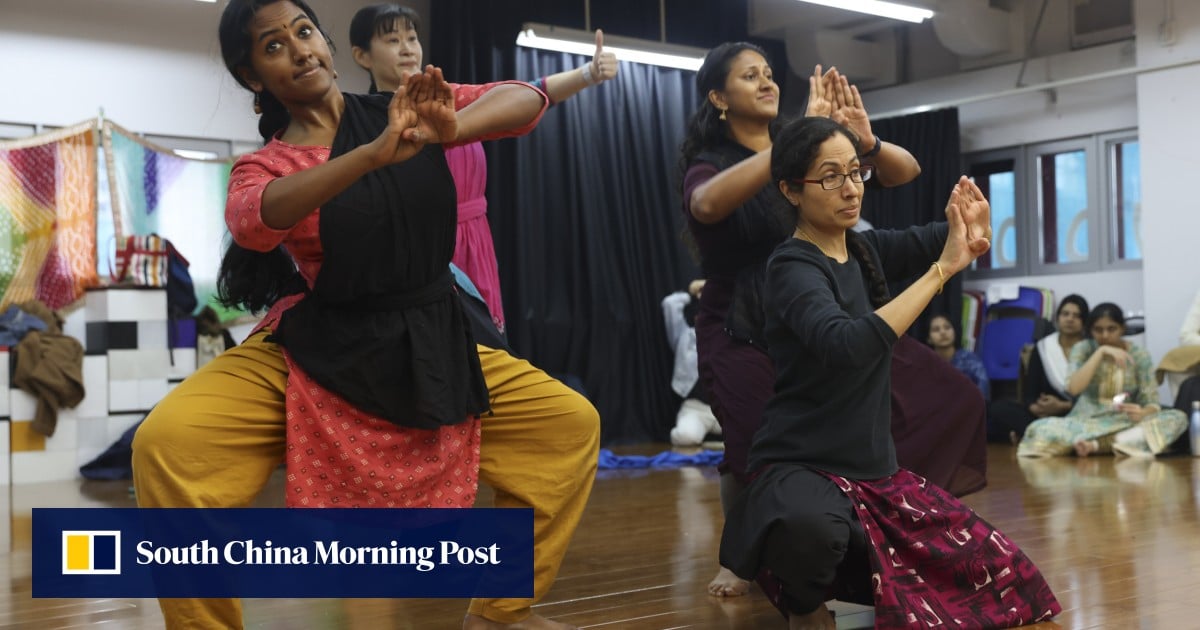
421 112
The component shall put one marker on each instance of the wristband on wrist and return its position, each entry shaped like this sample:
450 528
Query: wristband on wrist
590 78
874 151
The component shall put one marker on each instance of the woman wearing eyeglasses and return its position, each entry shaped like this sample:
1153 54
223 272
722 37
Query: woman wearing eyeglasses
736 217
829 512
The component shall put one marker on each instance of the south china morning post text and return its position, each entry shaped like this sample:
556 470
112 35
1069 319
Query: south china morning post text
131 552
251 552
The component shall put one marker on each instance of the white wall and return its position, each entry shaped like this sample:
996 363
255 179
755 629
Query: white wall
1122 287
1153 87
1170 133
153 66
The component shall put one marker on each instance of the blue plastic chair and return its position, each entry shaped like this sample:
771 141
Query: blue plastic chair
1028 303
1000 346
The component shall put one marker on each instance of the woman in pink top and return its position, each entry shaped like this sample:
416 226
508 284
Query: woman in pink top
364 377
384 37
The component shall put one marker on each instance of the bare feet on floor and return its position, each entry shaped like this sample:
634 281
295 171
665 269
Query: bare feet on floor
726 584
532 622
1083 448
819 619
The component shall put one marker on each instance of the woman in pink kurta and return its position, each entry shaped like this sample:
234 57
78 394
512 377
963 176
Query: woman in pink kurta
384 37
436 467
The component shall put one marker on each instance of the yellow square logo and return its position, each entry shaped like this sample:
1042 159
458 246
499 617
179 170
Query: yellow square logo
91 552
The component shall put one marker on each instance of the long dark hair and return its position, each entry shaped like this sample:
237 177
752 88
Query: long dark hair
705 129
379 20
793 152
249 279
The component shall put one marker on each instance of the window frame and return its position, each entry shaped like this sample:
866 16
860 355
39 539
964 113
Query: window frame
1018 159
1035 236
1106 143
1101 208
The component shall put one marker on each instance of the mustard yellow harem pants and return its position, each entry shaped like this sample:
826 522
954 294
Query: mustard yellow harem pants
215 440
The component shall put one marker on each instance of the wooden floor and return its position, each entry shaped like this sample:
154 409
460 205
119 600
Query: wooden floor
1118 540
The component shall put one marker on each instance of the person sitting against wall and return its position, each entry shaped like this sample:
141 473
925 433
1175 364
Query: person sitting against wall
1183 362
1117 408
1044 383
943 338
695 419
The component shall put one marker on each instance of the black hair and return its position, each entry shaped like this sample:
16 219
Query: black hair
379 20
1109 310
795 148
234 35
705 129
1078 301
249 279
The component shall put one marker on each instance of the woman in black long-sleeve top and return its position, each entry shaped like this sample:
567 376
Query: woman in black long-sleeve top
830 513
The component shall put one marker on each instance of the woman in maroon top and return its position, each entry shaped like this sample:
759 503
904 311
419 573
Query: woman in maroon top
737 216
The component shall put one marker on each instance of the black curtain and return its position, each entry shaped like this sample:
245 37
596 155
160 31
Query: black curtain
933 138
586 217
585 214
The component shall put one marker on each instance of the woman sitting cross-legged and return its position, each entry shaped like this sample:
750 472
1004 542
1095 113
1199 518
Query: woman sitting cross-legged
1117 407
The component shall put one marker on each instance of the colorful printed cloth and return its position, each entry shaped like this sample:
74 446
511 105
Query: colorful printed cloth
935 562
48 217
155 191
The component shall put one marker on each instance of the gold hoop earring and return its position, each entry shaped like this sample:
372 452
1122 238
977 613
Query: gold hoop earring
257 104
722 116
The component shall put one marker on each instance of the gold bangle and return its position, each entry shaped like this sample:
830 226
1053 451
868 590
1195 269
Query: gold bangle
941 277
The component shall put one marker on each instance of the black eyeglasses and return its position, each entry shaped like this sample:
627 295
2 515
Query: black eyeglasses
834 181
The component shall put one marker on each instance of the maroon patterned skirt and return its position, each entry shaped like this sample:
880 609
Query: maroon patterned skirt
935 562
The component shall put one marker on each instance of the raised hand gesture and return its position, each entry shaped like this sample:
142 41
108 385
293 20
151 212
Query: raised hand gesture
820 93
978 217
848 111
604 64
433 101
962 247
421 111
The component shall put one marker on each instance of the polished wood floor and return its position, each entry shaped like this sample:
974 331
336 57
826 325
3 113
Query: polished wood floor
1118 540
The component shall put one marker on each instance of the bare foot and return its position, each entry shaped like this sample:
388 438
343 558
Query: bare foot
1083 448
532 622
726 584
819 619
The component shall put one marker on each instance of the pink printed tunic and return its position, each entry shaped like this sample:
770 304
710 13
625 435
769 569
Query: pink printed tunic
337 455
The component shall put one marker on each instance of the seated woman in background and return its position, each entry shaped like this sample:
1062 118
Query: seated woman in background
695 419
944 340
1044 385
1117 408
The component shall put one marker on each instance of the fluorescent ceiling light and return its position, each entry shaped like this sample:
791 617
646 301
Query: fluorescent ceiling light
880 8
626 49
193 154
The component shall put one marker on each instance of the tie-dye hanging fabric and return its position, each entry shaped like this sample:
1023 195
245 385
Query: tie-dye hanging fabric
155 191
48 217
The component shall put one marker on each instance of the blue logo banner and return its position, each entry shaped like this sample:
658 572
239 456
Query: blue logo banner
282 552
